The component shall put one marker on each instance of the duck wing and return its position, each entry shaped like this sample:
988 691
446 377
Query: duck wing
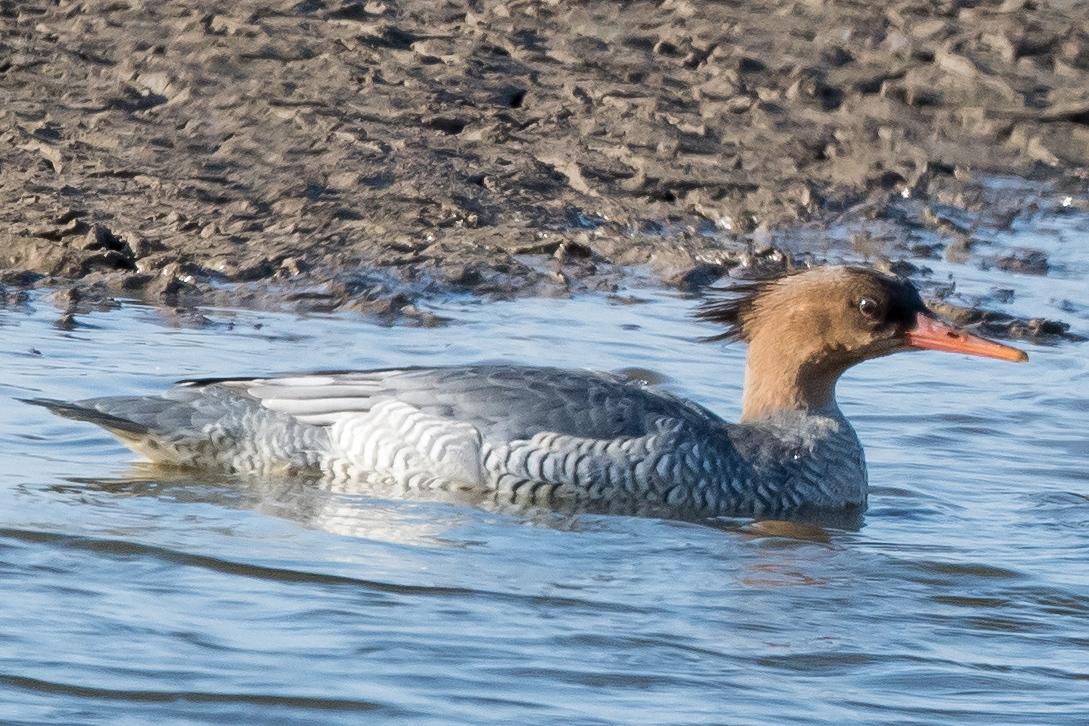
501 427
502 402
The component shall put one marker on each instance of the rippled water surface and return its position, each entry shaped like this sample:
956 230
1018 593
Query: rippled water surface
130 595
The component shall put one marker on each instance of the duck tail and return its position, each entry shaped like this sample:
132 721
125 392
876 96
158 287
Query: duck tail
137 437
121 427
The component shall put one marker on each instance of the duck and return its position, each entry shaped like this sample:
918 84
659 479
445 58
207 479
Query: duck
539 437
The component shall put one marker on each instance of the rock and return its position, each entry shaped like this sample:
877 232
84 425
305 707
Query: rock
698 277
1028 262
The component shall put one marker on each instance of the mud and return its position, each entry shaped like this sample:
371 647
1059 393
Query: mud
331 155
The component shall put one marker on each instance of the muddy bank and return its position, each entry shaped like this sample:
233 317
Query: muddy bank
362 155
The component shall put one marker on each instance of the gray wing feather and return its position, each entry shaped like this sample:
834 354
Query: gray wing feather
502 402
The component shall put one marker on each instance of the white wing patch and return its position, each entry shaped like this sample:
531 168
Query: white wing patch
297 381
316 400
319 411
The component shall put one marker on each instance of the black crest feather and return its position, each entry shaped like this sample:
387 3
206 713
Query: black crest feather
732 308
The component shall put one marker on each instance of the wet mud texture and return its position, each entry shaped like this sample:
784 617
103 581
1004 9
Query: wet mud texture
362 155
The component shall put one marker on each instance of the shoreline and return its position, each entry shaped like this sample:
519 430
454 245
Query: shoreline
350 156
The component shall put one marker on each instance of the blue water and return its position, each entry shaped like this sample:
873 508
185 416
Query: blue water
130 595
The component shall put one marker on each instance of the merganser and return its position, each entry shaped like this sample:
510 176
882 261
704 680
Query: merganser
573 440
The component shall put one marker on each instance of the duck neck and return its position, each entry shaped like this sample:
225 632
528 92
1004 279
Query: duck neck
782 378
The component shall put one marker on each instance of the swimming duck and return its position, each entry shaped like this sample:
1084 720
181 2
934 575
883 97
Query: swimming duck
525 436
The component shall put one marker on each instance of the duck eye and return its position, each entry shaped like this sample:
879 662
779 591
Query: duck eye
867 307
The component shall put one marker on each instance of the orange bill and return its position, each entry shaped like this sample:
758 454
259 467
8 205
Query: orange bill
933 334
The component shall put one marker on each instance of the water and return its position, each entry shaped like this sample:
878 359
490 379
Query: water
130 595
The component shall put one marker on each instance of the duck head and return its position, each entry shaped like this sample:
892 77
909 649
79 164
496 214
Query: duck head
804 330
